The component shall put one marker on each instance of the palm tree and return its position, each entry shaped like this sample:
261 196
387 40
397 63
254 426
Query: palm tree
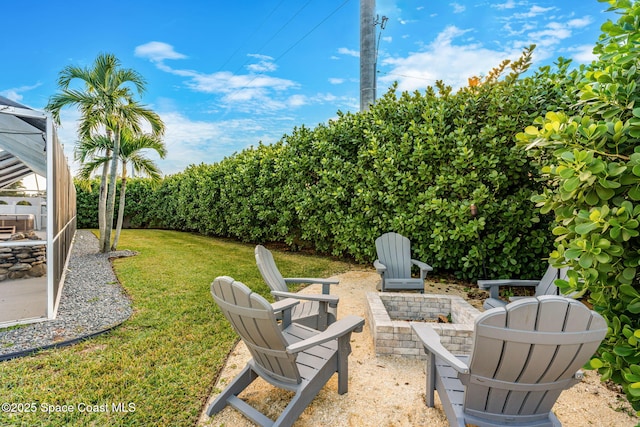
106 105
131 149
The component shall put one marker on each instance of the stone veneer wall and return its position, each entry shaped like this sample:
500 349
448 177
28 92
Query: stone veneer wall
394 337
18 262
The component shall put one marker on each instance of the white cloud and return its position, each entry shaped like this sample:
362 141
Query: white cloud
442 60
297 100
157 51
225 82
510 4
551 36
265 64
545 27
327 97
537 10
348 52
345 103
15 93
195 141
523 29
180 130
12 94
448 34
336 81
583 54
580 22
254 90
457 8
533 12
455 55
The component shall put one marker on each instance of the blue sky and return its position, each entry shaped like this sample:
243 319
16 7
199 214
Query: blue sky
226 75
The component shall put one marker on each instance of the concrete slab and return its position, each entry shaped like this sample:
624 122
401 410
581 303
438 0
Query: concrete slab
23 299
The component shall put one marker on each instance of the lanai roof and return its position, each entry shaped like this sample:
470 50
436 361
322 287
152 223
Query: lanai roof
23 143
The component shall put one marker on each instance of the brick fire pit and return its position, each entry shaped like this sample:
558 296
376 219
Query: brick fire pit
389 316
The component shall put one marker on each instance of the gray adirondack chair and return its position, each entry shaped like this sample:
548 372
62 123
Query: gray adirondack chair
315 311
394 264
287 355
544 286
524 354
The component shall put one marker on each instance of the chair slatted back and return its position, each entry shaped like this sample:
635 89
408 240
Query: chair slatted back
526 353
252 317
547 283
269 270
394 251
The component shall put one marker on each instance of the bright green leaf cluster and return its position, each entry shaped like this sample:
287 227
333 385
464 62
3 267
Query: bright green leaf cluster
590 163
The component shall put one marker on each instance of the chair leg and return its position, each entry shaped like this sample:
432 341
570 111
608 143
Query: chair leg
306 393
431 375
294 409
344 350
323 322
239 383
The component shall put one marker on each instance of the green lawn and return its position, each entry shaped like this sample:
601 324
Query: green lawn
161 364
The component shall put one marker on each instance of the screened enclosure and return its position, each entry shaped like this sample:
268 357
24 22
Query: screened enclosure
37 225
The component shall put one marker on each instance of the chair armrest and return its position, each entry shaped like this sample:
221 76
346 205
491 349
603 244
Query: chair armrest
380 267
485 284
284 304
331 299
311 280
431 341
494 285
335 330
326 283
421 265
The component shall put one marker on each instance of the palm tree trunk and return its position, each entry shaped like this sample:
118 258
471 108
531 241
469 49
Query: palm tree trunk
102 205
111 191
123 190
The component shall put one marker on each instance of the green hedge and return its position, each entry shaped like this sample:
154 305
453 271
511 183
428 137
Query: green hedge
413 164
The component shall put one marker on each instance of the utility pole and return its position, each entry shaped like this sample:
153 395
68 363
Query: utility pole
367 54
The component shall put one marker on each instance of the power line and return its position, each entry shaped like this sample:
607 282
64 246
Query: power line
250 36
294 44
277 32
313 29
285 24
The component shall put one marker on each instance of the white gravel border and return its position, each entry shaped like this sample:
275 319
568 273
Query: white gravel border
92 301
